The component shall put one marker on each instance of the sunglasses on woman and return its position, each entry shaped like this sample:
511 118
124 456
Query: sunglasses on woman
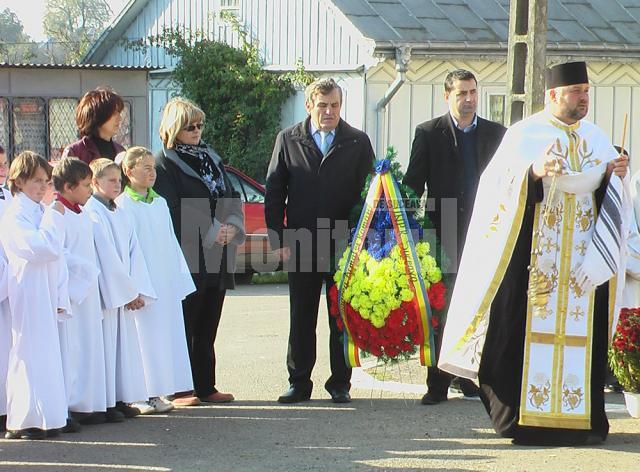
193 127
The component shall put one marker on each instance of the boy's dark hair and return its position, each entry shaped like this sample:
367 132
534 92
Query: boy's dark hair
1 149
95 108
458 74
70 171
24 167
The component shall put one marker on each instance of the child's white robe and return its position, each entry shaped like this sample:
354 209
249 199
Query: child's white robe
161 325
5 329
123 276
32 239
5 316
81 339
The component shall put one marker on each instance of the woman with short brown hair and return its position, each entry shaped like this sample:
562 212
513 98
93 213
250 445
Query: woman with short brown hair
98 117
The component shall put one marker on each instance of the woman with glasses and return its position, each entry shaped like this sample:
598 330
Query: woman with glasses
208 221
98 117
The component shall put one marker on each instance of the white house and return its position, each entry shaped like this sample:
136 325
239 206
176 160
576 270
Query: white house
391 56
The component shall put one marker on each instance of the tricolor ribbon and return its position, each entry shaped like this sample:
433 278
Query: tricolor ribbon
384 186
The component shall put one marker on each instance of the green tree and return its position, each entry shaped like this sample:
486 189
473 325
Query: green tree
242 101
75 24
15 45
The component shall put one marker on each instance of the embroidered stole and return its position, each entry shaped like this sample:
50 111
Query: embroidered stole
556 378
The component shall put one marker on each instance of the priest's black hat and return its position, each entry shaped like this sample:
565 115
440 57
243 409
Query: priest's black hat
569 73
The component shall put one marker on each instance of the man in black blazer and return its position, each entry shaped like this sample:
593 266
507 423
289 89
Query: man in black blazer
449 154
315 178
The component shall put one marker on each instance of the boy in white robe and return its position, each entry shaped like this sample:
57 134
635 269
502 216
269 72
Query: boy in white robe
81 338
31 236
124 287
165 354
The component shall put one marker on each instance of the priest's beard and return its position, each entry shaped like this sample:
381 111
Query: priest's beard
577 113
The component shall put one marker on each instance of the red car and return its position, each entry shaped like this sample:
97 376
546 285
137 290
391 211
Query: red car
255 251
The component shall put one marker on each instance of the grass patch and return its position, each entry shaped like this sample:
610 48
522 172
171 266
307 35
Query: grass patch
270 278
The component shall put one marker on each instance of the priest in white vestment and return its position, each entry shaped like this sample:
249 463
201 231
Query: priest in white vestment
555 197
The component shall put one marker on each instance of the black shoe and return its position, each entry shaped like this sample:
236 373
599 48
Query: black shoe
471 394
3 423
126 410
340 395
468 388
114 416
72 426
29 433
97 417
432 399
294 395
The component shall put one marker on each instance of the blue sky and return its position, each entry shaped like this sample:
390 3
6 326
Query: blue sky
31 13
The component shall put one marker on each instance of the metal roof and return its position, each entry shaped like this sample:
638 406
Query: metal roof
598 27
26 65
612 22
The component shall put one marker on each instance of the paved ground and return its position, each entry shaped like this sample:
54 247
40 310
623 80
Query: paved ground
384 428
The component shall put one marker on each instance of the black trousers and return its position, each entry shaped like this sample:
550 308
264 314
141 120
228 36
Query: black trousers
304 297
438 381
202 311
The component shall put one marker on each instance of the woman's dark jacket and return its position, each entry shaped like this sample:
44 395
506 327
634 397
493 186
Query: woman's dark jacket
86 149
197 218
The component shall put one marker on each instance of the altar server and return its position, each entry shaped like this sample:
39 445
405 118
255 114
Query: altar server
124 287
32 239
81 340
160 325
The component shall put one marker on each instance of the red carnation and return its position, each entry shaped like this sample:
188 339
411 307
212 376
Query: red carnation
436 294
334 308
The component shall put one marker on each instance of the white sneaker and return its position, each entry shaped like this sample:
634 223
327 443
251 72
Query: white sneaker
161 404
144 407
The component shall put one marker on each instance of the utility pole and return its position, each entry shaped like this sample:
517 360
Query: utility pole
526 58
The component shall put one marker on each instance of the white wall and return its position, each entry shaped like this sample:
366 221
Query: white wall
615 91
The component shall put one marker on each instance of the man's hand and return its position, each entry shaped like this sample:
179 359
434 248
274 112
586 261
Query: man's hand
549 167
619 166
283 254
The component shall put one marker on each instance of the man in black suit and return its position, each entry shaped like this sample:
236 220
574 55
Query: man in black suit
315 178
449 154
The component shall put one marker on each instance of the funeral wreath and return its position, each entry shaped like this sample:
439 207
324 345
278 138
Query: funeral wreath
388 287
